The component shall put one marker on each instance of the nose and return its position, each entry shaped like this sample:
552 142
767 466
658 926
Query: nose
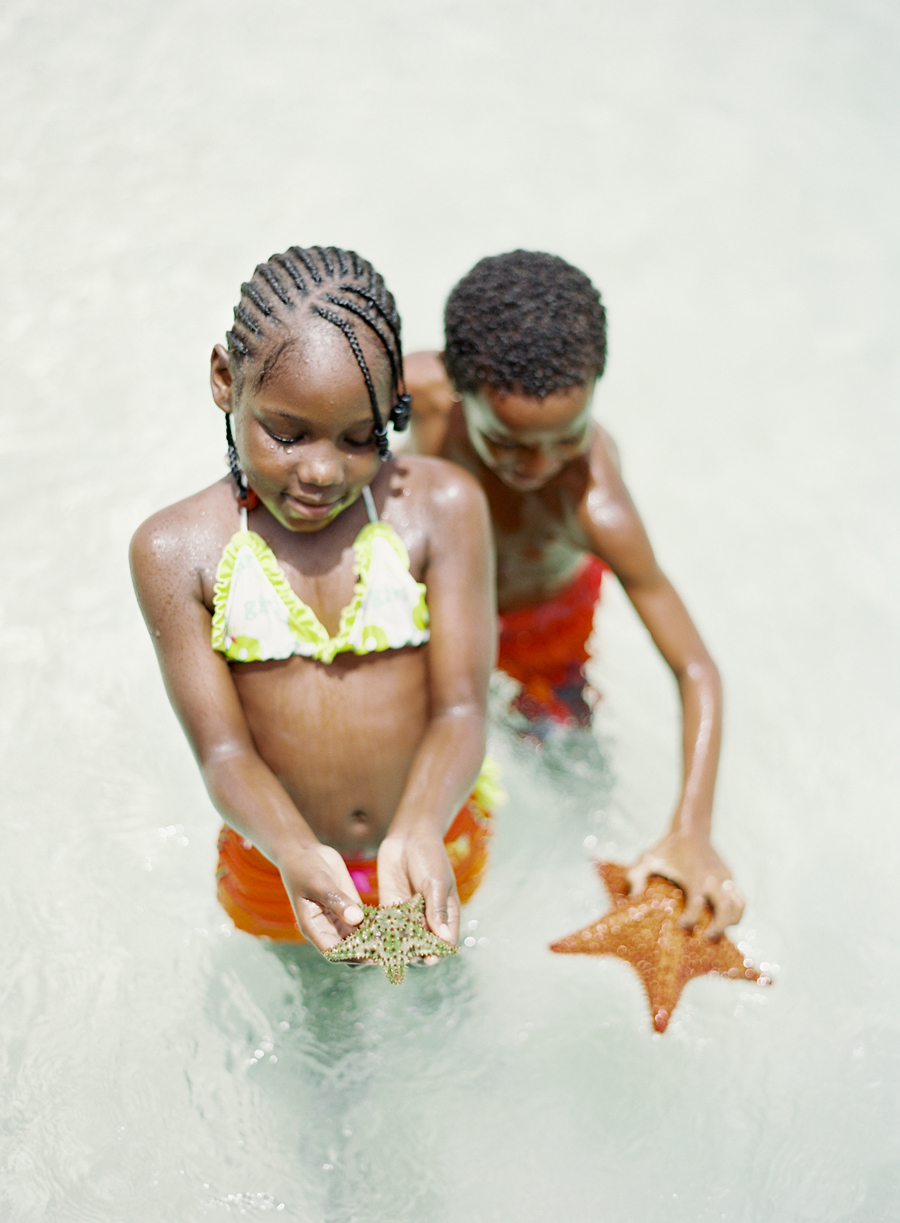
320 465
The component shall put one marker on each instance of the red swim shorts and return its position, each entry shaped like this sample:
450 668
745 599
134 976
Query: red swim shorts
545 649
251 892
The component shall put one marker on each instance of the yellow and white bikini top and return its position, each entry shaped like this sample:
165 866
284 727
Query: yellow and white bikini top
257 615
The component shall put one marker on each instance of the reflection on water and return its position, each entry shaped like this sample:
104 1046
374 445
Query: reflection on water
722 172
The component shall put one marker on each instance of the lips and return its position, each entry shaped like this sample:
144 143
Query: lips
307 508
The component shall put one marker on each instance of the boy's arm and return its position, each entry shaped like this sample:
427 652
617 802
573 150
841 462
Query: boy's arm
241 785
432 401
460 590
685 854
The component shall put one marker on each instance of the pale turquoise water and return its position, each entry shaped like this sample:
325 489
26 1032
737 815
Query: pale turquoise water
728 174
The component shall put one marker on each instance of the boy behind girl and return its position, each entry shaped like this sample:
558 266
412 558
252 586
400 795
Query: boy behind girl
510 399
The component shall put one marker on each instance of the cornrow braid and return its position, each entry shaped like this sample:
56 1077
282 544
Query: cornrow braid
370 322
379 431
318 280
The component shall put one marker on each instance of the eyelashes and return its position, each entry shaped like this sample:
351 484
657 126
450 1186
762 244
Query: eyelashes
357 443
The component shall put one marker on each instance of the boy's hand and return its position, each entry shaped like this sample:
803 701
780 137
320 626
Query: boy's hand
688 860
324 897
407 865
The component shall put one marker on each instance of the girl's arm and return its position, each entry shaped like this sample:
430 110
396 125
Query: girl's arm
460 591
243 788
685 855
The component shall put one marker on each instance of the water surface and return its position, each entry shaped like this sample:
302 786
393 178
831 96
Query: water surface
728 177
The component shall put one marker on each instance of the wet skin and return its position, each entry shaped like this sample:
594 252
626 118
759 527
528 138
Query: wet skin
365 754
555 491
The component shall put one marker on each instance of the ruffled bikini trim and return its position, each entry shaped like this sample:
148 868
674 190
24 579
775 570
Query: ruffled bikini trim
302 620
488 792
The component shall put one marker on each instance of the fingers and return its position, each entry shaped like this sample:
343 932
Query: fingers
638 877
694 906
345 885
728 907
653 864
442 909
327 905
393 888
327 921
393 882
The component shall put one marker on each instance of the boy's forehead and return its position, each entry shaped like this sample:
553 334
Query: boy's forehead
520 415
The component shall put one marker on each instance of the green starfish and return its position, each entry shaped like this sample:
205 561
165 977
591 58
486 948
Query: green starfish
391 936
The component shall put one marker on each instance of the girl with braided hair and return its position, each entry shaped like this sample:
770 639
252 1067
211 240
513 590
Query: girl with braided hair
323 619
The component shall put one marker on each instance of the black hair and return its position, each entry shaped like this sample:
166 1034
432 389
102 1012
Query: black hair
524 321
336 285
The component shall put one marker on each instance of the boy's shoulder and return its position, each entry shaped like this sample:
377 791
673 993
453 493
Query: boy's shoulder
433 400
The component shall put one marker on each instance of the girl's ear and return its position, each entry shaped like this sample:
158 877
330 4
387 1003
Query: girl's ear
220 381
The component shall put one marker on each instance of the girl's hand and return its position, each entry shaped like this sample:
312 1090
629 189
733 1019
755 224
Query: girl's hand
688 860
407 865
324 897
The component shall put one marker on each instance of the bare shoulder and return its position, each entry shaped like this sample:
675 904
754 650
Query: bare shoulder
438 483
604 486
433 399
426 380
444 505
608 515
181 541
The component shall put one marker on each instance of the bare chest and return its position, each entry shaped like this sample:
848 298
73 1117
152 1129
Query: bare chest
537 552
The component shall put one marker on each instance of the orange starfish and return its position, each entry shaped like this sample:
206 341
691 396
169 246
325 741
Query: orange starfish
644 930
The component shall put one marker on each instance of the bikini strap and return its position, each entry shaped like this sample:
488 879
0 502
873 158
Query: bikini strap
370 504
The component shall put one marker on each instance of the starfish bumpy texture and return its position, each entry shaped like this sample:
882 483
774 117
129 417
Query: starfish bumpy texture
644 930
391 936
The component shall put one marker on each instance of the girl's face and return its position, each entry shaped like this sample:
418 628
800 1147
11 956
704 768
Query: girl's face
304 437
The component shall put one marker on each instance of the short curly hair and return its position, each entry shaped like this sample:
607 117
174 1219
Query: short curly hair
525 321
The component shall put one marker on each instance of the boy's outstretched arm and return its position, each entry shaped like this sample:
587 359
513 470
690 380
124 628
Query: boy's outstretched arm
685 854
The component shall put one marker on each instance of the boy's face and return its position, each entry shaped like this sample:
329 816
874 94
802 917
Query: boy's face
524 439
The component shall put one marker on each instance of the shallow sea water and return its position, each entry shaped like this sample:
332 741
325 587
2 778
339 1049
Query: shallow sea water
727 175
